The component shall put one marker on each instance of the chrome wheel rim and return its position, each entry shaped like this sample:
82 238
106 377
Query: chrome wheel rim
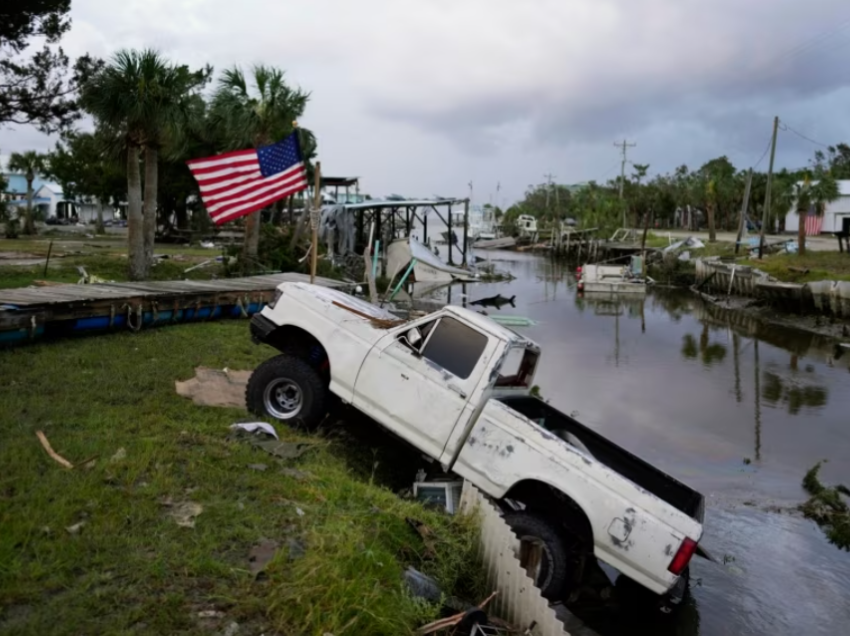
283 399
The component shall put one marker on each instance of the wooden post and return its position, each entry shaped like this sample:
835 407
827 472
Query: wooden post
317 204
744 207
450 235
766 211
465 229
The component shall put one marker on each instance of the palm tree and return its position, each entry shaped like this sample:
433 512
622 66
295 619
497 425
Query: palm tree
812 196
139 99
254 117
31 164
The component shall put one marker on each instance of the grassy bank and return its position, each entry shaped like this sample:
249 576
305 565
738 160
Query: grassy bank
813 266
97 550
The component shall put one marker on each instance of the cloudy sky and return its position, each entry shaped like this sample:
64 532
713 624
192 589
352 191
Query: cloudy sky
420 97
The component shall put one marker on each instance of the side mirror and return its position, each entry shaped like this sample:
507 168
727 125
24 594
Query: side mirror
414 337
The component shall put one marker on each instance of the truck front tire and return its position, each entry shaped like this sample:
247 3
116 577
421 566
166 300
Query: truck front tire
289 390
552 576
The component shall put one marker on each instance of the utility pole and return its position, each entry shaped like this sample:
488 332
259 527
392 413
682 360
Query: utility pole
623 146
744 206
767 190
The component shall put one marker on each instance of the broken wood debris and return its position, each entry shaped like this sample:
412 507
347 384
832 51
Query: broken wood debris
53 454
383 323
452 621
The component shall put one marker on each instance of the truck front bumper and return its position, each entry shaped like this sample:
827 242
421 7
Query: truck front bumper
261 327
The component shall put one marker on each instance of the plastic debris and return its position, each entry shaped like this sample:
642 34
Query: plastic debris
253 427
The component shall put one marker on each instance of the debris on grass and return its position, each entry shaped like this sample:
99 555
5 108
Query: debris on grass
76 528
261 554
215 387
120 455
254 427
184 512
827 507
53 454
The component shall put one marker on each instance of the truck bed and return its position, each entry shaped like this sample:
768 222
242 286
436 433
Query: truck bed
619 459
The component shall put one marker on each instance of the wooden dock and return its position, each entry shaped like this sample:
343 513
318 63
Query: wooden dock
29 313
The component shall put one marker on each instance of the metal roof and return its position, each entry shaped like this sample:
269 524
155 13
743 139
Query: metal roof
17 183
413 203
339 181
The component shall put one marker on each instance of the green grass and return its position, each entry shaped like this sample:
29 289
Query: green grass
820 266
106 266
131 569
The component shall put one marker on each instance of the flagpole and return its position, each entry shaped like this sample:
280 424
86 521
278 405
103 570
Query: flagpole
314 257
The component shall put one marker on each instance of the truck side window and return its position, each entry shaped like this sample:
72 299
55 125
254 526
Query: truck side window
455 347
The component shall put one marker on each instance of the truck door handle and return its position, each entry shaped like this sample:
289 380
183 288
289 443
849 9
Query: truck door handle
404 377
458 390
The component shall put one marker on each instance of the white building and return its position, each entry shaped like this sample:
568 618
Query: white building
834 215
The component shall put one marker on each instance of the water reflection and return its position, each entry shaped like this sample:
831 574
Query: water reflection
650 375
787 391
709 352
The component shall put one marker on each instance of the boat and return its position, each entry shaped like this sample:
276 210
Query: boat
504 243
428 267
618 279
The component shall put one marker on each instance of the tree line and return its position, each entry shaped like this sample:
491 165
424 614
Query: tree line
150 116
712 196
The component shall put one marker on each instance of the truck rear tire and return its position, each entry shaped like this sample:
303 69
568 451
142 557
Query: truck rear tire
288 390
552 575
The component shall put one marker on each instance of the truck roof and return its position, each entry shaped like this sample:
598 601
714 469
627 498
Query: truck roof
492 327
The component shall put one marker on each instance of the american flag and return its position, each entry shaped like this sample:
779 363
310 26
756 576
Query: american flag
814 222
237 183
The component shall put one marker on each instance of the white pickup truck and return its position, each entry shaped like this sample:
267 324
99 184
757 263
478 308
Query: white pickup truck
457 386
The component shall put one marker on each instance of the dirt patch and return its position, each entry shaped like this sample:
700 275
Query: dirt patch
215 387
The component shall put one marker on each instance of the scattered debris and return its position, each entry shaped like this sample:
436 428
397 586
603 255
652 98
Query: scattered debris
90 279
300 475
422 585
119 455
299 511
213 387
53 454
295 548
284 450
210 614
75 529
231 630
472 616
258 467
253 427
261 554
497 301
184 512
428 537
198 266
827 508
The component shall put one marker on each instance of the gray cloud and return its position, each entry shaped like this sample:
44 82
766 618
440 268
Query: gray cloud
423 96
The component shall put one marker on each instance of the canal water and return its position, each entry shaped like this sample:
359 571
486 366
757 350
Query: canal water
738 417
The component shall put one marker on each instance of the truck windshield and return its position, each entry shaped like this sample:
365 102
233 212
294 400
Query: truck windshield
517 370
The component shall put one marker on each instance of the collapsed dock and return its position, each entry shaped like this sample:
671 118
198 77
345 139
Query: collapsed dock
32 313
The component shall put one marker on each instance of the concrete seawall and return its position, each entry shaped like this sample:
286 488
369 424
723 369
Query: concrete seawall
826 297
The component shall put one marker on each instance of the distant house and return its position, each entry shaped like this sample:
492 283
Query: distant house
49 200
834 216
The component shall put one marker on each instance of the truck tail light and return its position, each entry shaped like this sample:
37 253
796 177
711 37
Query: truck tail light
683 556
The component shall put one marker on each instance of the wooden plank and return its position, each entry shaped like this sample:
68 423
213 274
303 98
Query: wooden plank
57 294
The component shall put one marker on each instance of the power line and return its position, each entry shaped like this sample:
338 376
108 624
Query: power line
784 126
764 154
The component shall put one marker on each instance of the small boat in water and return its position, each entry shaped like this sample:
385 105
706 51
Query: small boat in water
620 279
428 267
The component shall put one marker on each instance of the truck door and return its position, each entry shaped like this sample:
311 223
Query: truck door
419 390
